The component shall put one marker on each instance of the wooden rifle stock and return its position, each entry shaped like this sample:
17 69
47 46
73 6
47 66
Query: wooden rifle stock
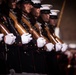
53 37
50 36
3 29
58 39
18 26
35 34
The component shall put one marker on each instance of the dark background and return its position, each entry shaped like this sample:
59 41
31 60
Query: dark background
68 20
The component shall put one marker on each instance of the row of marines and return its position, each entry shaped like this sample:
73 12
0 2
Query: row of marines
27 39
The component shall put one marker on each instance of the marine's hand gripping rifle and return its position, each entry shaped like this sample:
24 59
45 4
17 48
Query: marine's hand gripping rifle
35 34
25 36
9 38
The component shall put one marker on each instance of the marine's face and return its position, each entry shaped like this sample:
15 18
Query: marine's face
53 22
12 5
45 17
36 12
27 7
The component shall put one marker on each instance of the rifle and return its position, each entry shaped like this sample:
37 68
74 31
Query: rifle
18 26
53 37
35 34
50 36
4 30
58 39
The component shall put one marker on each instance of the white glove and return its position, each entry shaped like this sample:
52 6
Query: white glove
58 46
1 37
41 42
26 38
64 47
49 46
9 39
